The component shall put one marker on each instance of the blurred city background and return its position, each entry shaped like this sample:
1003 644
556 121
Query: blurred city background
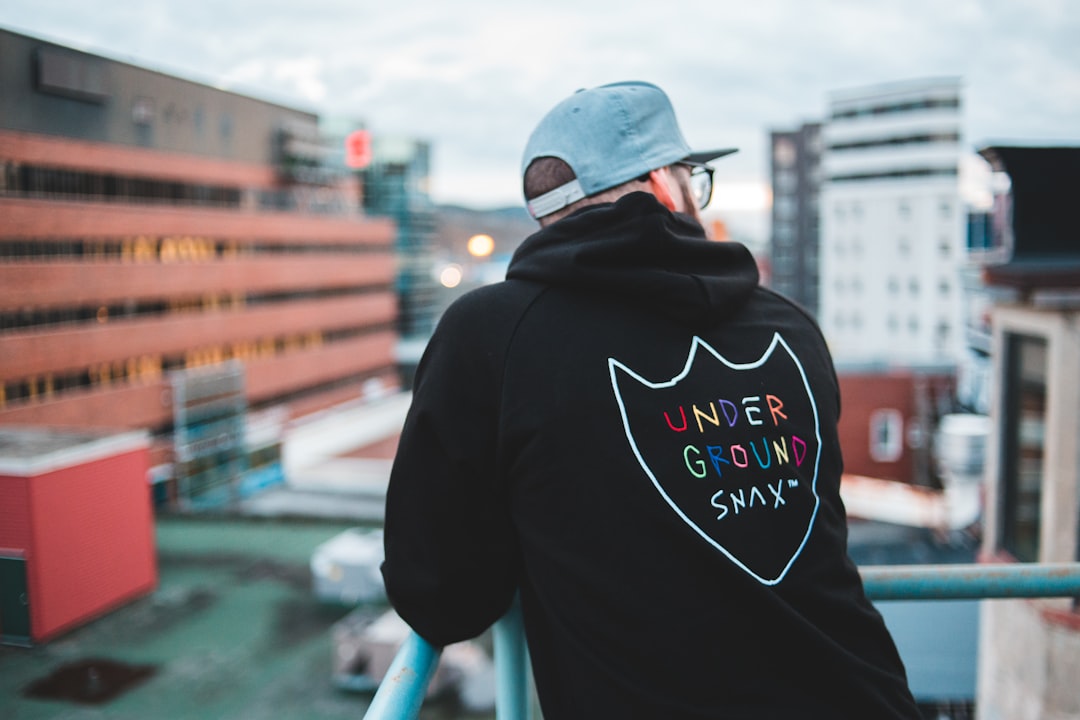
227 233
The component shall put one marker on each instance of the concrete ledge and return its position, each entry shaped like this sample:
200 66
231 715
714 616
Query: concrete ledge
333 432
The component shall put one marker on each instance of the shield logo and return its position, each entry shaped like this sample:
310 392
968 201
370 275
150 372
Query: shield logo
733 449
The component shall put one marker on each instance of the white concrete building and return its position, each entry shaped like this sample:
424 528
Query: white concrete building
893 225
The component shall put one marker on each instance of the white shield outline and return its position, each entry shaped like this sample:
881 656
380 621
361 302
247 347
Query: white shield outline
695 343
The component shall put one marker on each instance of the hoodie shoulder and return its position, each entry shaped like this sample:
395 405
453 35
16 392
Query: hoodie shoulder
490 308
799 310
478 327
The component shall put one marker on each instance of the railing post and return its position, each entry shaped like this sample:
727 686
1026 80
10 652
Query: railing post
511 667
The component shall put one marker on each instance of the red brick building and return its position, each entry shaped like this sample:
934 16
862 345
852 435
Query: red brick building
887 420
150 225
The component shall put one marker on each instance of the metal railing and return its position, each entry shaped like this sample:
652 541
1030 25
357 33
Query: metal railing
402 692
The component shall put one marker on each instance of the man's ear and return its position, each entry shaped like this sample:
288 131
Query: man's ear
659 187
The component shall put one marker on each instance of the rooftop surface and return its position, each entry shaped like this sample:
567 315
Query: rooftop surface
233 631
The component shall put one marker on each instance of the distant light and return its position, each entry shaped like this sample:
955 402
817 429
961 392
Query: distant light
450 276
741 196
481 245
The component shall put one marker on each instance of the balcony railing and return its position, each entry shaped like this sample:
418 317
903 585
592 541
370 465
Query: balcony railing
402 692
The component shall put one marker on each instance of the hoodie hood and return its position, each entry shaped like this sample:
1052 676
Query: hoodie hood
636 248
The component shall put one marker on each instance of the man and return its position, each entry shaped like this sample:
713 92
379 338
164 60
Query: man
641 441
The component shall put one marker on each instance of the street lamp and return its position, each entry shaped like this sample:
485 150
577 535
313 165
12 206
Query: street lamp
481 245
451 275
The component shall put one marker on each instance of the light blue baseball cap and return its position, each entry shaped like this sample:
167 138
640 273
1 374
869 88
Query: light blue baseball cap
608 135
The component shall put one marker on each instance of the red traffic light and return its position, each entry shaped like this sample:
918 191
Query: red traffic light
358 149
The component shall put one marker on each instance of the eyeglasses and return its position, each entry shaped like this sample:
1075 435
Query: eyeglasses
701 182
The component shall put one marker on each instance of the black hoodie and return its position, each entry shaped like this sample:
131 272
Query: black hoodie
641 441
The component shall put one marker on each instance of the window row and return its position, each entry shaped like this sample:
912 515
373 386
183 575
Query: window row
949 103
894 174
32 181
894 286
904 247
32 318
167 249
898 140
855 321
903 206
151 368
65 184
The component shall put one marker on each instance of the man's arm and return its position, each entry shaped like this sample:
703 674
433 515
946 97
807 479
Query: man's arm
452 563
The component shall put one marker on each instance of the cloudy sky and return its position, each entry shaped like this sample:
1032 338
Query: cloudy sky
473 76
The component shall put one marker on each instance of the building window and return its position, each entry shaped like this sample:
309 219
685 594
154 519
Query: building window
1024 421
886 435
73 76
142 111
784 152
785 182
784 232
904 245
944 330
784 206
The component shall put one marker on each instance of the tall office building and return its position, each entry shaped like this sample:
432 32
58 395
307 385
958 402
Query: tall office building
395 186
795 166
893 224
174 256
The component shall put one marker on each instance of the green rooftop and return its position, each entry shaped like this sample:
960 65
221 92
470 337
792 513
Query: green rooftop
233 631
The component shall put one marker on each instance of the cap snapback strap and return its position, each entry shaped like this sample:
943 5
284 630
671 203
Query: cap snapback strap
556 199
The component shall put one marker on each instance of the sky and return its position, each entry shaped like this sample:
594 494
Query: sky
474 76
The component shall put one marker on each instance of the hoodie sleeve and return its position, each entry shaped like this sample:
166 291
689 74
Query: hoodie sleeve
451 566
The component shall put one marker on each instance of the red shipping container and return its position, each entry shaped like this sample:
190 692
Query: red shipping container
76 529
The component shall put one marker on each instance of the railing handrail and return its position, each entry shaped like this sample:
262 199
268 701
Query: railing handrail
971 582
402 692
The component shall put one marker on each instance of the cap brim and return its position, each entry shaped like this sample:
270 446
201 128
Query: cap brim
705 156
